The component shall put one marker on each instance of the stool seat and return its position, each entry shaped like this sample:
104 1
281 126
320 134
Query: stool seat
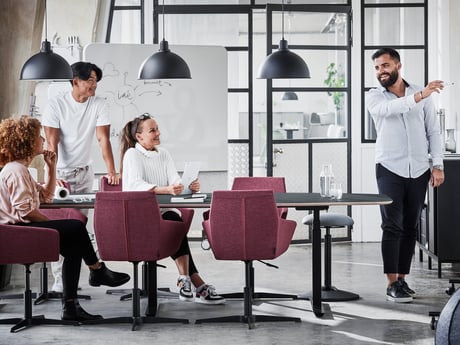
330 220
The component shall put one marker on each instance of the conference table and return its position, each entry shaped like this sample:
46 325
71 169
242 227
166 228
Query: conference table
312 202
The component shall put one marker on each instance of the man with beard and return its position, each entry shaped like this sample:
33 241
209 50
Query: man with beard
407 133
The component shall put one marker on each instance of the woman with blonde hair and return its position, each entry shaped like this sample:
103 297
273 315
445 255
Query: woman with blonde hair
147 167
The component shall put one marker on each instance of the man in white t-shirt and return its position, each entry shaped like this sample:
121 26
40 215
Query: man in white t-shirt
70 121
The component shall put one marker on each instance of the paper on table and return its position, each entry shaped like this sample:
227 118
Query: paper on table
191 170
187 199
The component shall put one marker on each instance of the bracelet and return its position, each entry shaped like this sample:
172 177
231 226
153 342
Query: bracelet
421 95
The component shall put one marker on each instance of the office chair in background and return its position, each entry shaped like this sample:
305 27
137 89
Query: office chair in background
246 225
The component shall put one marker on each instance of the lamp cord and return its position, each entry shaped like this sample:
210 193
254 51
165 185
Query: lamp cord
163 19
282 20
46 22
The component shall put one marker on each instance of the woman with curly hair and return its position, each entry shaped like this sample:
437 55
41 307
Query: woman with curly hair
20 197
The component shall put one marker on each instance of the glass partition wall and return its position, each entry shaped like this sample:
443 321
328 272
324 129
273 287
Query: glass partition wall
400 24
270 134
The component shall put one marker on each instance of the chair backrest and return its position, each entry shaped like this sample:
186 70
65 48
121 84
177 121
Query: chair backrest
274 183
245 225
128 227
67 185
106 187
20 244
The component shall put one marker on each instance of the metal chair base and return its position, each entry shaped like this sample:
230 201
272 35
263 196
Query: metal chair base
249 320
23 323
332 294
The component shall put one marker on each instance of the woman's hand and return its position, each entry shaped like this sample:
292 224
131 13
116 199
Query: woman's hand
50 158
195 186
176 188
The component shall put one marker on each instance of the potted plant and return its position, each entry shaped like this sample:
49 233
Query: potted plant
334 79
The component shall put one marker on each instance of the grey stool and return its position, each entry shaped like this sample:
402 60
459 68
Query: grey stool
331 220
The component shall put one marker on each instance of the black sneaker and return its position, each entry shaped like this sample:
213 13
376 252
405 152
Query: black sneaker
396 293
406 287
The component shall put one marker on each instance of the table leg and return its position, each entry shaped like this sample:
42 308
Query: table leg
151 288
316 265
315 296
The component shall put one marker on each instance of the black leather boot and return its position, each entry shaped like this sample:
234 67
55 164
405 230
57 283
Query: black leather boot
72 310
104 276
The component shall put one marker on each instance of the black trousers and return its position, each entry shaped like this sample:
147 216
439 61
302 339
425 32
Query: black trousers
75 245
184 248
400 219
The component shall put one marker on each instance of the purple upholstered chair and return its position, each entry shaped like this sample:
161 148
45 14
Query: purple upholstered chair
26 245
106 187
129 227
56 214
245 225
187 217
276 184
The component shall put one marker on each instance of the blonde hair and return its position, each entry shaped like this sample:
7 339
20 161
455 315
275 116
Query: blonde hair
128 135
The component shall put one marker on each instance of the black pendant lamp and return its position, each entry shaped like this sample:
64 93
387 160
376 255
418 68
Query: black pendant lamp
289 96
283 64
164 64
46 65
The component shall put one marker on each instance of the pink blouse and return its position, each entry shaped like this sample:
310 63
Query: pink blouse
19 193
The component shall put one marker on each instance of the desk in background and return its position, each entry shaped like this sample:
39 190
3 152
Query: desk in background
300 201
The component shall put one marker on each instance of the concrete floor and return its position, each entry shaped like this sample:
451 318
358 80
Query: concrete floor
356 267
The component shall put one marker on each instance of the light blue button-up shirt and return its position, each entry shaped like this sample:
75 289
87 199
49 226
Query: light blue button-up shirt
407 132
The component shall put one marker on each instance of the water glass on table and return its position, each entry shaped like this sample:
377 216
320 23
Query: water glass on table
336 190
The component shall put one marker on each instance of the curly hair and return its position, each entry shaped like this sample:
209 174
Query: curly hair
17 138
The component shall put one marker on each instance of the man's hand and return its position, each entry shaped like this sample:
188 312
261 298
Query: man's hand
432 86
113 179
437 177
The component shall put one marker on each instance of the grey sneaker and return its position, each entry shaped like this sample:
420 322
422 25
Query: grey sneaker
406 287
208 295
396 293
185 289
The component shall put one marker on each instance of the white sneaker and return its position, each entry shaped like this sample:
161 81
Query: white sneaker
185 289
57 286
208 295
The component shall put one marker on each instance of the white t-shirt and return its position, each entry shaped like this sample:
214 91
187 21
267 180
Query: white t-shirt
77 123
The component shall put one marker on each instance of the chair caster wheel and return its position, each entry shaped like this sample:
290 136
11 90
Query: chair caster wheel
205 244
434 320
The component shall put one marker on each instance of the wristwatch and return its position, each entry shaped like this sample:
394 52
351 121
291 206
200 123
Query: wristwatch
439 167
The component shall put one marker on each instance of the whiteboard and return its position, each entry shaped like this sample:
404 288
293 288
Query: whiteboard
191 113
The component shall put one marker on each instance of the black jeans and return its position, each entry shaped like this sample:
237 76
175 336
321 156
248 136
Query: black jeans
400 219
74 245
184 246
